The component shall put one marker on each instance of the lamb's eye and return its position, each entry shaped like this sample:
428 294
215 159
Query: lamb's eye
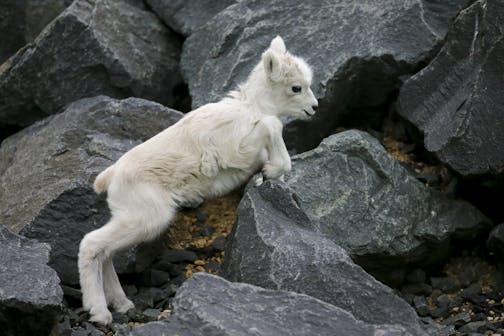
296 89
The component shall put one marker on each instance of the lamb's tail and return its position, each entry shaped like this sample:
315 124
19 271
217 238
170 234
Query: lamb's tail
102 181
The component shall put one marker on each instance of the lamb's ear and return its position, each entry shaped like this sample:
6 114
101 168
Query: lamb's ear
272 66
278 45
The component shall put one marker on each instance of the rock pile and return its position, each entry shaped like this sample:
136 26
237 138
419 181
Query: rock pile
82 82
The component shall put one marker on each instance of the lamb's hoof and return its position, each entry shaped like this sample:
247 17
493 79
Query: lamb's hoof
259 180
123 306
101 316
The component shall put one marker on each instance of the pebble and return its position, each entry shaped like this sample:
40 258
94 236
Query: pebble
151 314
472 327
445 284
178 256
219 243
154 278
207 231
420 305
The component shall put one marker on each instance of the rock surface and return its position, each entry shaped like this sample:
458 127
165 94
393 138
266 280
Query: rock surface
457 99
30 295
357 50
46 173
94 47
22 20
272 246
209 305
186 16
365 201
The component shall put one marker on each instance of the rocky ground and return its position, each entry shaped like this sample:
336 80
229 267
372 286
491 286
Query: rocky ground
390 222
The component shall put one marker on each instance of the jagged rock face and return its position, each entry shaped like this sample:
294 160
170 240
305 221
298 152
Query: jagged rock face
186 16
30 295
364 200
273 245
357 50
94 47
46 174
457 100
209 305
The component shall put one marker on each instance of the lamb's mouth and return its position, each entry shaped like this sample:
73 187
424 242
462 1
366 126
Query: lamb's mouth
308 113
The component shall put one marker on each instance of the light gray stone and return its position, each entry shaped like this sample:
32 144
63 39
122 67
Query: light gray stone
46 174
211 306
110 47
273 245
457 100
186 16
368 203
30 295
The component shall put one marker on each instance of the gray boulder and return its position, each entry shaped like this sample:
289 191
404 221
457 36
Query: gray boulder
22 20
30 295
47 169
209 305
272 245
457 100
94 47
358 51
186 16
364 200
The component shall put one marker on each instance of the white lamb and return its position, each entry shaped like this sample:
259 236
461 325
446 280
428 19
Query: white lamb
208 153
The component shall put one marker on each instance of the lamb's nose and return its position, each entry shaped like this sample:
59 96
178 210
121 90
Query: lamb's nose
315 107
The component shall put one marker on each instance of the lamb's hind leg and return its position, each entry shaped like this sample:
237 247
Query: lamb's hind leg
114 293
139 215
92 253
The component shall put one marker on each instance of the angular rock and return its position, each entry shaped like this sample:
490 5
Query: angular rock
186 16
358 51
457 100
46 174
364 200
39 13
94 47
272 246
30 295
209 305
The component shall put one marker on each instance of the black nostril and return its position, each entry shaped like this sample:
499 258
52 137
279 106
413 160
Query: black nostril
315 107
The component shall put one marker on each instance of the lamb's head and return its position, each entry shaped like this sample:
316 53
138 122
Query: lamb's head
289 79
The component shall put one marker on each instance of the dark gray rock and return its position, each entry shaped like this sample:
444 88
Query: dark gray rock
445 284
39 13
273 245
93 47
30 295
12 27
358 51
209 305
495 240
457 101
46 173
364 200
420 305
186 16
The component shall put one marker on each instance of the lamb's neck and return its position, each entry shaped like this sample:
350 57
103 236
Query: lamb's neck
258 98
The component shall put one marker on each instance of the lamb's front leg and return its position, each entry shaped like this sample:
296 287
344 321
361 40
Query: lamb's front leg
278 160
